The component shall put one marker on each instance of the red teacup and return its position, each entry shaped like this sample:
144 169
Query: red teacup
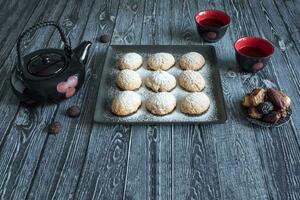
253 53
212 24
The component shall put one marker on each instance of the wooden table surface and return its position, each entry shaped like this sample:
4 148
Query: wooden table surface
235 160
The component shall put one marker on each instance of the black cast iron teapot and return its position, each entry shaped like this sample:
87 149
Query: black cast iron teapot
49 74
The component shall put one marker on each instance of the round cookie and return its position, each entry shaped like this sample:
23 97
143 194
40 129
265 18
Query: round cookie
191 81
192 60
195 103
163 61
126 103
161 103
130 61
160 81
128 79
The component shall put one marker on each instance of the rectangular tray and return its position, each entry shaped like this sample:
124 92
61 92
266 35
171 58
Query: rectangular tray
210 72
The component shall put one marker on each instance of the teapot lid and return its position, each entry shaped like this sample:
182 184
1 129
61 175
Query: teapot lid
46 64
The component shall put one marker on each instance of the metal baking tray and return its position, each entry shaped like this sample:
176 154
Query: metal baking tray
210 72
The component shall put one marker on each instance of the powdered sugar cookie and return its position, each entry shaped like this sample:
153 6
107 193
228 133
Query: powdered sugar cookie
130 61
161 103
191 81
163 61
160 81
192 60
126 103
128 79
195 103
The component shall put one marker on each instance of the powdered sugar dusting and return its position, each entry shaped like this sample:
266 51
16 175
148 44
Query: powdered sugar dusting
196 98
162 99
129 97
130 57
193 57
162 78
161 59
128 76
160 81
190 76
108 91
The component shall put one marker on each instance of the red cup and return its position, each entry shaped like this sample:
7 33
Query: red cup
253 53
212 24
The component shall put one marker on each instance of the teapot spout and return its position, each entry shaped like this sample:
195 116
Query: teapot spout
82 51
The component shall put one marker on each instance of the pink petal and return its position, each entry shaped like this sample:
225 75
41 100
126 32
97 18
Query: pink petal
72 81
62 87
70 92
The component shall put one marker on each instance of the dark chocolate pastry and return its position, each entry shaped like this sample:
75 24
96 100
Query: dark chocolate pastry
272 117
253 112
276 98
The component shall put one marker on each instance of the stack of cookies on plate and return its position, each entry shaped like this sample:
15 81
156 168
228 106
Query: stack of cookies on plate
161 83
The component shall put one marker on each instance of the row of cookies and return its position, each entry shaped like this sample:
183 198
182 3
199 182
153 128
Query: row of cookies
161 61
162 103
160 81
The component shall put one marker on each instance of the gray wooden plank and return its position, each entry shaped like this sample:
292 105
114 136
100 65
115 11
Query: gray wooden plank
151 146
239 165
73 147
267 77
289 13
194 150
282 178
165 153
285 68
252 163
9 103
23 172
96 185
12 24
105 166
9 106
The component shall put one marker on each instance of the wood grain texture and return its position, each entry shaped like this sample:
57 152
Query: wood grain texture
23 154
9 103
69 164
194 150
268 78
27 171
12 26
235 160
151 145
97 185
222 143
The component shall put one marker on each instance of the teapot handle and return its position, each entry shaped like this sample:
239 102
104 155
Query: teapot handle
67 46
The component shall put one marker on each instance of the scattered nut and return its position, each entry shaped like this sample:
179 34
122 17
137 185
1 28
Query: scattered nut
105 38
54 128
73 111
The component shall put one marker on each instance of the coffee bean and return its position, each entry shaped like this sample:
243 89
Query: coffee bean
54 128
105 38
73 111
